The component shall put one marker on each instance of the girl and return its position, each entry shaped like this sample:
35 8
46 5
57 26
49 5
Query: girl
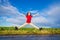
28 20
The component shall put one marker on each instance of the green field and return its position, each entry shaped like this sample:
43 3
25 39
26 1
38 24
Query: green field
28 31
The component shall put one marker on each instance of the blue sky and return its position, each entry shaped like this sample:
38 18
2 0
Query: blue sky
48 12
26 5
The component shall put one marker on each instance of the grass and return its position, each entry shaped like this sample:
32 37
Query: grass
28 31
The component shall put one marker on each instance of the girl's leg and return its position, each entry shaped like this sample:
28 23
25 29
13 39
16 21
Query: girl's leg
34 25
23 25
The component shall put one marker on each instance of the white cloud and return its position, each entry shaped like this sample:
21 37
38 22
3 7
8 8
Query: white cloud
54 10
49 16
10 13
16 20
33 11
39 19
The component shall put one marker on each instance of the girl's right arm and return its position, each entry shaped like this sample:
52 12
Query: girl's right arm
22 14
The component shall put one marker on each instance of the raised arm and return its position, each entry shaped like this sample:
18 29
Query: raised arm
22 14
36 14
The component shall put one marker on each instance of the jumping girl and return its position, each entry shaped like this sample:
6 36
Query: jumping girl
28 20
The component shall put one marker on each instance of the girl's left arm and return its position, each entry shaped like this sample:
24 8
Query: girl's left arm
36 14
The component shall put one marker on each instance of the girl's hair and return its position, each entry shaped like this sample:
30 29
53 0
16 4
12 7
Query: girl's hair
27 14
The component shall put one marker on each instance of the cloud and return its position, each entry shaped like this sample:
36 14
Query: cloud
39 19
34 11
16 20
47 17
9 13
54 15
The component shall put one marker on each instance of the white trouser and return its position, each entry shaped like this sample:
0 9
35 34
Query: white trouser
29 24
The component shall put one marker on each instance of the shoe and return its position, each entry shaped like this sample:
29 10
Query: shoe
40 28
16 28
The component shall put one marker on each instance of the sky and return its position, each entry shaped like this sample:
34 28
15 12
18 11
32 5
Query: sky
48 12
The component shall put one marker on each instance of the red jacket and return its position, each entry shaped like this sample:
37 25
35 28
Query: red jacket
28 19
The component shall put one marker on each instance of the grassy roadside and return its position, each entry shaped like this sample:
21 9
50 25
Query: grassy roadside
27 31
